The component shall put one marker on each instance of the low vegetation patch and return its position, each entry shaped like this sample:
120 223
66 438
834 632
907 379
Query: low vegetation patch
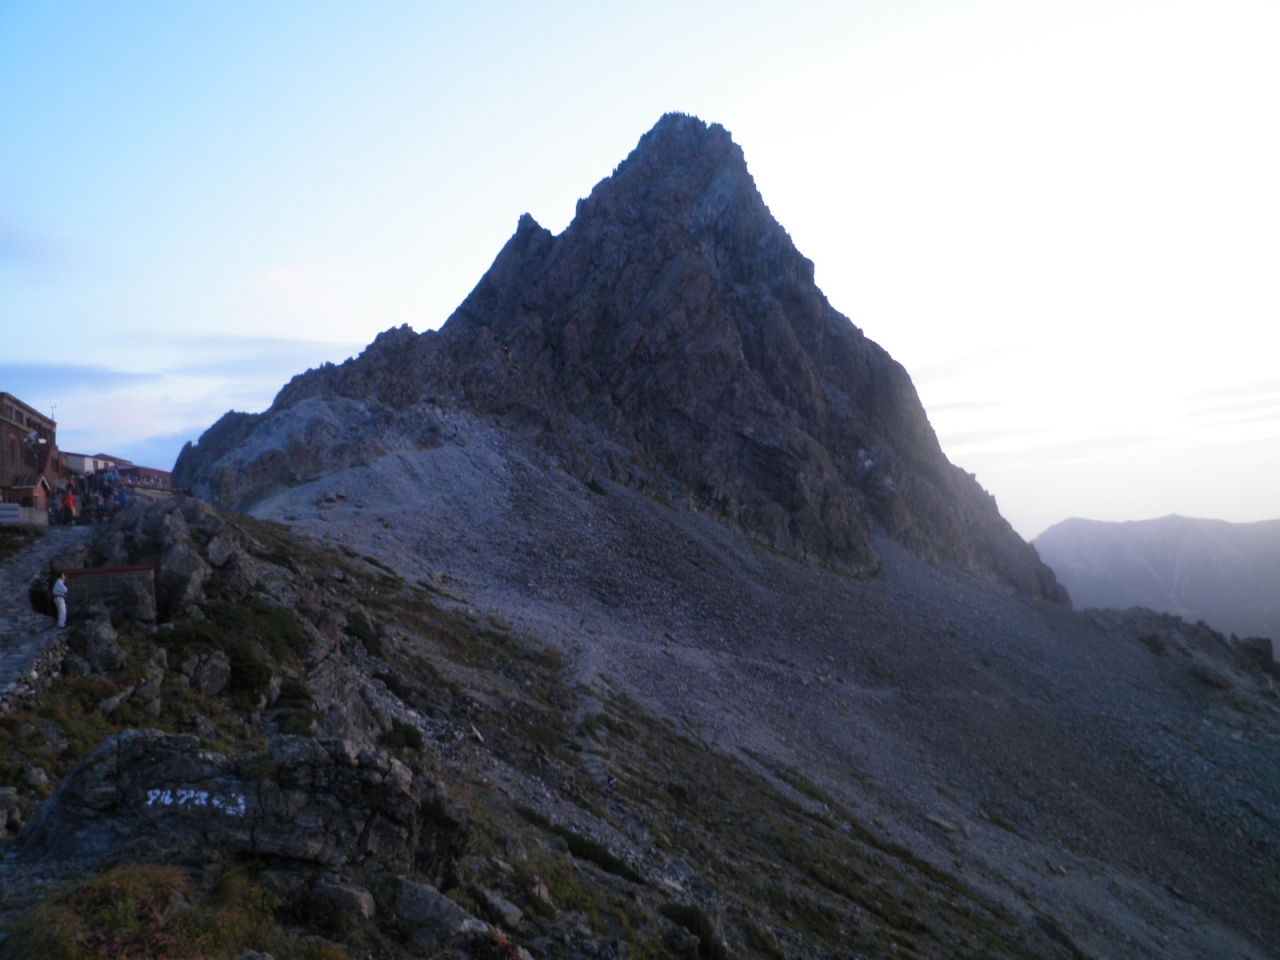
583 847
154 912
72 717
401 736
273 629
812 877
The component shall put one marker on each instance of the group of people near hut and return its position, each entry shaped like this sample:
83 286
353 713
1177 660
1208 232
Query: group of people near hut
89 498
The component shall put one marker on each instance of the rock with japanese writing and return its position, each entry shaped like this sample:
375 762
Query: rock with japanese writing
144 793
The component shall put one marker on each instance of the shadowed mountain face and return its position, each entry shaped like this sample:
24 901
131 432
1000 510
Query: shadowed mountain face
672 340
1227 574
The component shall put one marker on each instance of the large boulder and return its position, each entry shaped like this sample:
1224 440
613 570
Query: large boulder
334 904
97 642
221 549
181 530
181 578
238 577
135 599
431 919
213 674
325 804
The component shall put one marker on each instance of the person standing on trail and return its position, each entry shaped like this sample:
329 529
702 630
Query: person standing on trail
60 600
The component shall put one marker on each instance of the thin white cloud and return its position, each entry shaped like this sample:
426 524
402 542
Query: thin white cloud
1089 448
1242 390
971 438
957 366
147 416
1246 406
964 406
43 382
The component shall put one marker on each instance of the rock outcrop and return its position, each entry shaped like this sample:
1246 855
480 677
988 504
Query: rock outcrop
671 339
307 803
95 640
430 918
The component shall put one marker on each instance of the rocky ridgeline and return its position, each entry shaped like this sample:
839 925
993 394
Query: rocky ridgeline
1231 665
672 339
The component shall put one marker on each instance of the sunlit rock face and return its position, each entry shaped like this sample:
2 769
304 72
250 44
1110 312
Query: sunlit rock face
671 339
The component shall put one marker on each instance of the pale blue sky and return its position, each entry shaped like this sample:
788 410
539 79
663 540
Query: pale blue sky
1062 217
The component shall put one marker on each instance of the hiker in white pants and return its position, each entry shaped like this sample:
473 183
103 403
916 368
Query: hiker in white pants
60 599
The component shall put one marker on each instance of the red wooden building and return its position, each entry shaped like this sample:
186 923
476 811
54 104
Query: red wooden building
30 465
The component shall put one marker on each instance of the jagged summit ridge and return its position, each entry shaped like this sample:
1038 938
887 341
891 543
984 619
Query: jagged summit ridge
671 339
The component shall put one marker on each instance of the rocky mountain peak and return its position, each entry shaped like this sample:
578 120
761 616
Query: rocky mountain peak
684 170
672 340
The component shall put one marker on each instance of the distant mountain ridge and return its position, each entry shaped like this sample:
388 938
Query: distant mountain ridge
672 340
1227 574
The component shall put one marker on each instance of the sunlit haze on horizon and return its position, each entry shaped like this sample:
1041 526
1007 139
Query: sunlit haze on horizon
1063 218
